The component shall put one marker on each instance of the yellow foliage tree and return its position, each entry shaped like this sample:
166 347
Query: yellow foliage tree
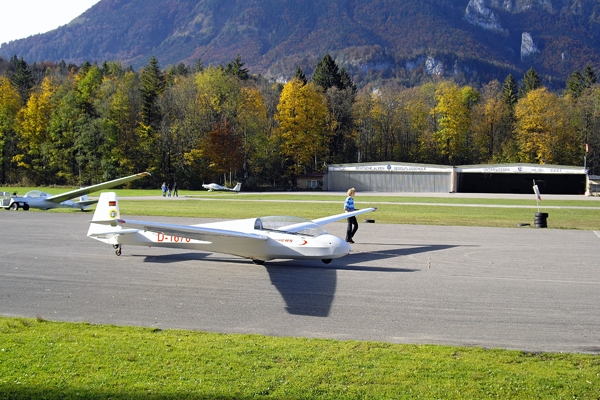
454 119
543 132
304 125
10 102
32 129
365 126
491 123
253 121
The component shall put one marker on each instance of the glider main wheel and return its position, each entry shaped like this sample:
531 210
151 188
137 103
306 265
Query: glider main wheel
118 251
259 262
326 261
26 207
14 206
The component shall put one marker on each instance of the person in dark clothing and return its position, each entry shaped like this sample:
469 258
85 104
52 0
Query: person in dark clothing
175 192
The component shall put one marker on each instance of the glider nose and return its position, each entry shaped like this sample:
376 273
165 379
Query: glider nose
339 247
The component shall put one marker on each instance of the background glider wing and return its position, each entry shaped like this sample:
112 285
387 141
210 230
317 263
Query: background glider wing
86 203
59 198
188 231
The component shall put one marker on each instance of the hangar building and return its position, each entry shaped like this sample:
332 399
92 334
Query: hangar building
428 178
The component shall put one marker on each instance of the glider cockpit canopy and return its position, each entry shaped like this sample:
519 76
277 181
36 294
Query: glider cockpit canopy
296 225
36 193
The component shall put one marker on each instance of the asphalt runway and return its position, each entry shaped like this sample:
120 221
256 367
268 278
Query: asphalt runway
515 288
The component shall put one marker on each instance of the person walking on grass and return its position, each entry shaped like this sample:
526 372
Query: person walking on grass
352 222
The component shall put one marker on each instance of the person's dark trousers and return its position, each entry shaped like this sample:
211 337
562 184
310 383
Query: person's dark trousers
352 228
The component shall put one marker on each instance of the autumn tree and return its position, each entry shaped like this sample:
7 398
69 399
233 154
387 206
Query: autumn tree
224 150
491 123
10 103
364 124
181 130
304 127
584 116
453 110
543 133
120 108
415 123
384 111
253 123
218 96
33 134
218 99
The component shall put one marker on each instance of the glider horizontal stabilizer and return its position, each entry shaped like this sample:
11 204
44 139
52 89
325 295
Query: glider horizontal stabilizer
189 231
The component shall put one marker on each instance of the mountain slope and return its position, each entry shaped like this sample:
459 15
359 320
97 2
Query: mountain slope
475 39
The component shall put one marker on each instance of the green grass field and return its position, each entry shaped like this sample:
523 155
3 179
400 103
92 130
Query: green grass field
563 214
52 360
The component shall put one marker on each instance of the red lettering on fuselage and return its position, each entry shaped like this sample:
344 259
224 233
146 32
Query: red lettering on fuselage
171 239
292 241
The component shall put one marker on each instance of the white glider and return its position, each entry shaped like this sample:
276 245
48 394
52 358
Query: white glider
45 201
258 239
213 186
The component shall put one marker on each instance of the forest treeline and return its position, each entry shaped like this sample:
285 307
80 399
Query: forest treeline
77 125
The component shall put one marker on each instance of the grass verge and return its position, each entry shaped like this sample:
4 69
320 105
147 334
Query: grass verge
388 213
52 360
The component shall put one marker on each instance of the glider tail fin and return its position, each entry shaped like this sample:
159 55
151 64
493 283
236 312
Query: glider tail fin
237 187
107 208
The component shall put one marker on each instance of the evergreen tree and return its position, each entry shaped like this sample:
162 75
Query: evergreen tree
153 83
531 81
21 79
181 69
347 82
575 84
198 67
299 74
327 74
236 68
589 76
509 91
85 67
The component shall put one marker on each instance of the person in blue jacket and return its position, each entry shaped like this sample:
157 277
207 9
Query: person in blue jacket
352 222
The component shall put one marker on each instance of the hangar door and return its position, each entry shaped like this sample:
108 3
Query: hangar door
521 183
387 181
